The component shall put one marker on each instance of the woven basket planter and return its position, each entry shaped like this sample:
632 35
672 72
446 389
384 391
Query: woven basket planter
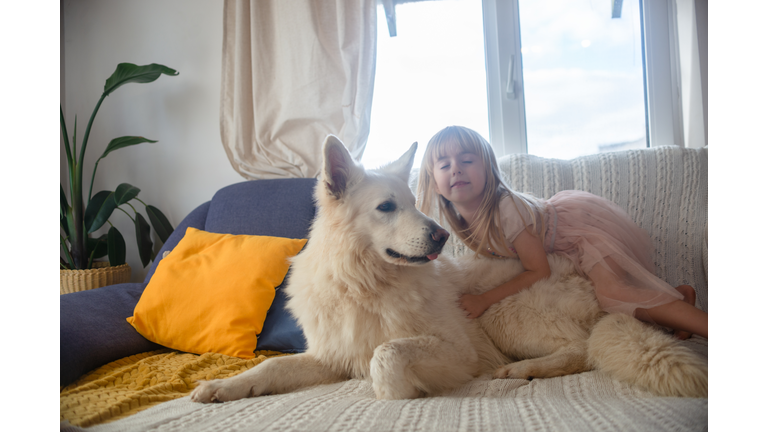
102 274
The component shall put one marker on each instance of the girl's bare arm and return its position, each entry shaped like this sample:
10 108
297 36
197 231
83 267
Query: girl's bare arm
533 258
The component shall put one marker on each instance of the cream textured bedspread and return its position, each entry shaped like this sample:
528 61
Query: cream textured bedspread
585 402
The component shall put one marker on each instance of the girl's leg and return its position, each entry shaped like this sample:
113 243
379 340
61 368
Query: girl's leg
679 314
689 296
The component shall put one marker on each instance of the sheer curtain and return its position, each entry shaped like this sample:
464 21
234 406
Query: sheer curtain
294 71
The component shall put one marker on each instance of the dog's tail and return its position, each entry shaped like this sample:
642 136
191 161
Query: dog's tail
630 351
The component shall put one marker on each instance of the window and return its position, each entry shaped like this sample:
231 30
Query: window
429 76
583 76
560 78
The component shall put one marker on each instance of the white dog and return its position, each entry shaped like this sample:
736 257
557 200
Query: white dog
376 304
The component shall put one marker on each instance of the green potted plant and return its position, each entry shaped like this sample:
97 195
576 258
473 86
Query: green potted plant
84 214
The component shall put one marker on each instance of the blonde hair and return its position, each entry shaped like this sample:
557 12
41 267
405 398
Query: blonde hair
485 232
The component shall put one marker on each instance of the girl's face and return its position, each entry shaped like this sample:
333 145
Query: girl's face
460 177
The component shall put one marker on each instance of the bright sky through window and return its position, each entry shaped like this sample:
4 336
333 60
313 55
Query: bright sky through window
431 75
583 77
582 73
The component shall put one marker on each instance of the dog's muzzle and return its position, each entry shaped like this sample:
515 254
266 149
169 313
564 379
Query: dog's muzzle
438 237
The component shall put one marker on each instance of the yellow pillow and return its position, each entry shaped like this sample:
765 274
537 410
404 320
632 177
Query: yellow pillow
212 292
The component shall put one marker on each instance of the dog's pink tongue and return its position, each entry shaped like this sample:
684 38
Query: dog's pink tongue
432 257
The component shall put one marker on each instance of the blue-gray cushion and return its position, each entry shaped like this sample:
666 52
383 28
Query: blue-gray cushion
93 330
281 332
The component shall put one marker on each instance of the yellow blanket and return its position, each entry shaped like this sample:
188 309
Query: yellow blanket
138 382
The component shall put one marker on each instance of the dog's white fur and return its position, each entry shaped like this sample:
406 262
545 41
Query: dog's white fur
556 328
374 305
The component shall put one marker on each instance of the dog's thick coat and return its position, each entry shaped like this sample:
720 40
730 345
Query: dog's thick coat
375 304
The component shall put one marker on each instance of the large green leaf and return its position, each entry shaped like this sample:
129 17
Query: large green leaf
125 193
97 246
159 223
130 73
99 209
143 239
116 246
125 141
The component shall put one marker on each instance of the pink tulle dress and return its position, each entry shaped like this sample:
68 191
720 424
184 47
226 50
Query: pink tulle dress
593 231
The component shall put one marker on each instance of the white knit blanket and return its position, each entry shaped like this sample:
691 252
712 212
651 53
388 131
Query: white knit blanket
663 189
584 402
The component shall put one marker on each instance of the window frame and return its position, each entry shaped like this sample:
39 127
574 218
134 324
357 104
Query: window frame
506 94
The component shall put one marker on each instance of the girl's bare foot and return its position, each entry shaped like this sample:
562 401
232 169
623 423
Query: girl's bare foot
689 296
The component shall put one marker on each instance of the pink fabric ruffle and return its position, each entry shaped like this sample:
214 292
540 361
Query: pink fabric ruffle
593 231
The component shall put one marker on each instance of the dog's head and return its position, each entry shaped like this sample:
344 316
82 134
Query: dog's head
375 209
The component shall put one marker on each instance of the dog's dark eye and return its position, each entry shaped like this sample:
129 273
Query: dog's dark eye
386 207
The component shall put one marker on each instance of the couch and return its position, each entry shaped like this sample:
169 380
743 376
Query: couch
663 189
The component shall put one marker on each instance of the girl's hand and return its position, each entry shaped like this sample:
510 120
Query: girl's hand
474 305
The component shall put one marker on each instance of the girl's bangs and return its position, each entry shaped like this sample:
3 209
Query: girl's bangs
450 140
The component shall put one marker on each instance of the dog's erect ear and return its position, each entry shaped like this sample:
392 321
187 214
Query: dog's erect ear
402 167
339 169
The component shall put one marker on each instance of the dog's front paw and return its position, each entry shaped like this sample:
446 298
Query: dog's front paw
388 371
218 391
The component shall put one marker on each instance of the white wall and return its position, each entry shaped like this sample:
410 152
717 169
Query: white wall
188 163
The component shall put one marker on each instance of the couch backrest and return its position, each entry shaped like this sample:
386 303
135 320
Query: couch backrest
278 207
663 189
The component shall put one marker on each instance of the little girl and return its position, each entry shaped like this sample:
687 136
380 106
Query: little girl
459 172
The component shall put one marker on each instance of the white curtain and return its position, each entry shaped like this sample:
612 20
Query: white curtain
294 71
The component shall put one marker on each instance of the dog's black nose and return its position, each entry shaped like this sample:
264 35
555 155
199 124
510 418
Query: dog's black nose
440 235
